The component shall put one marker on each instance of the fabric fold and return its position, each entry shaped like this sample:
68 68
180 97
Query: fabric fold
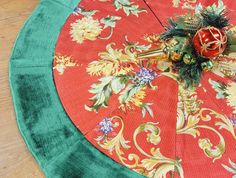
59 148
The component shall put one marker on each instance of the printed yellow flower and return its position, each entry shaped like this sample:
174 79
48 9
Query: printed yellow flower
85 29
112 62
62 62
135 100
138 97
231 96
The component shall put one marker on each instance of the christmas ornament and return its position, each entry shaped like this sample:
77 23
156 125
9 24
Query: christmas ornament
193 42
210 42
208 65
187 58
175 56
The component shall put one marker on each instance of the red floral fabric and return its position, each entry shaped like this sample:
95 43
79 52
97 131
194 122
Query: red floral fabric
136 112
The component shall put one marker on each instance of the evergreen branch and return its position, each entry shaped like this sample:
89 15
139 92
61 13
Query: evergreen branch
216 20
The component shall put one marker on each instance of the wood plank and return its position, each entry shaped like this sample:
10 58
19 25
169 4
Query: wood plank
15 159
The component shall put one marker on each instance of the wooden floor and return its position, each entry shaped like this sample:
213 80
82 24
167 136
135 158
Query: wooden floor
15 159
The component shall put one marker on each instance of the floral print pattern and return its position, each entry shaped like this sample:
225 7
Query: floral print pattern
125 97
62 62
106 126
225 92
231 168
118 68
144 76
188 4
85 29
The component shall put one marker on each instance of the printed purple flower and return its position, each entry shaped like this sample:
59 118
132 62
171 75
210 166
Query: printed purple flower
77 11
106 126
232 119
144 76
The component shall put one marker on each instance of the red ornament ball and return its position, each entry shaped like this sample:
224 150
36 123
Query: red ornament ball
210 42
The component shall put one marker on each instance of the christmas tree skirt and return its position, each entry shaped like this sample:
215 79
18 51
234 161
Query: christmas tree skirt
128 88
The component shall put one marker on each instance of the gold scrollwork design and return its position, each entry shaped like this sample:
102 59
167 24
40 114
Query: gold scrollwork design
157 164
224 122
154 164
190 126
117 143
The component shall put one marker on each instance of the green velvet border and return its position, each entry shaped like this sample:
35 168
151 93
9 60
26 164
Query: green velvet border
56 144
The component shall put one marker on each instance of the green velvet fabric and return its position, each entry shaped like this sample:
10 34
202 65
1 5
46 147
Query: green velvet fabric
58 147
